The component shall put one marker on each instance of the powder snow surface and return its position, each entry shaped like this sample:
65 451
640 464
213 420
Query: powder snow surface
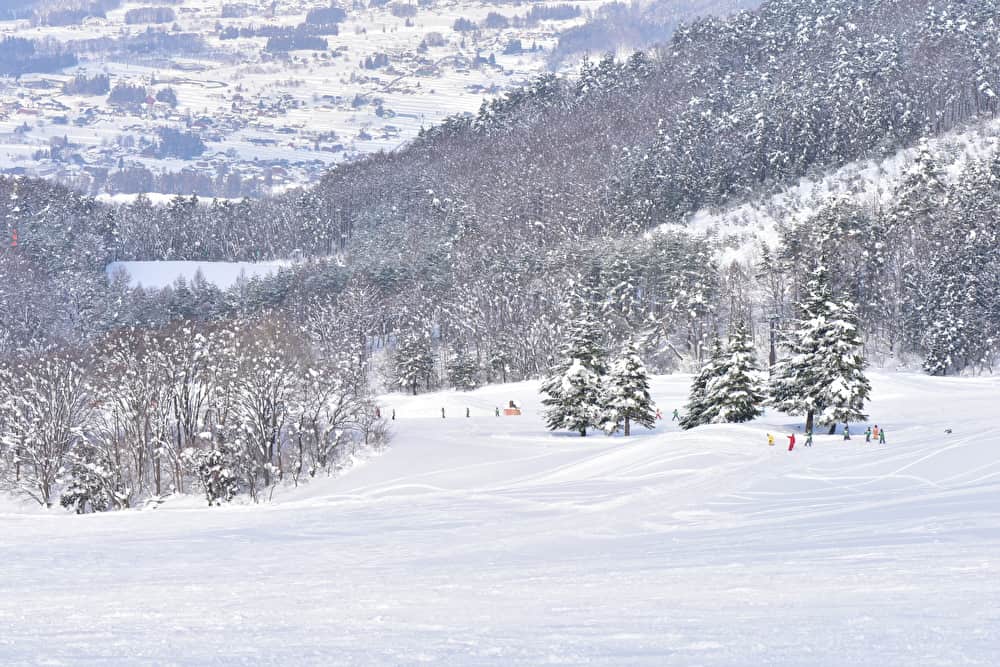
488 541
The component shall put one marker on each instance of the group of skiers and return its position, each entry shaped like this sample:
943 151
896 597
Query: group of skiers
877 433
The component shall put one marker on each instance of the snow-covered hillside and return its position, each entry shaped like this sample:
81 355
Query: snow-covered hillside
487 540
868 183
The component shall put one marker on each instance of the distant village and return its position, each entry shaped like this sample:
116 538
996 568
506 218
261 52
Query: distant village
240 100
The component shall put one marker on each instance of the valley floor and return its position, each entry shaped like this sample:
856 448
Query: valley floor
489 541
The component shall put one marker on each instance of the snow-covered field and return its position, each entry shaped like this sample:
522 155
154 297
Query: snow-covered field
488 541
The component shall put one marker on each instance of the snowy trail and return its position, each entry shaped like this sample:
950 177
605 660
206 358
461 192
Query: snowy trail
488 541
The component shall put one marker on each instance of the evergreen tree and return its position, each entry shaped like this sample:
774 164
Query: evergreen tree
824 372
463 372
414 362
578 406
573 387
626 393
694 412
846 389
92 484
734 395
216 470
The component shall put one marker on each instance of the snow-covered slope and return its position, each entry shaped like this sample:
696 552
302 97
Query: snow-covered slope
869 184
488 541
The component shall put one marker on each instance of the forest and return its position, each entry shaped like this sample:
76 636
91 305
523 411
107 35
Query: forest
449 262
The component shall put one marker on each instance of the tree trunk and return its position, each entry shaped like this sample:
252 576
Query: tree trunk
833 429
809 421
627 433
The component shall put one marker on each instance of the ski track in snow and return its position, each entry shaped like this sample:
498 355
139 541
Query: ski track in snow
488 541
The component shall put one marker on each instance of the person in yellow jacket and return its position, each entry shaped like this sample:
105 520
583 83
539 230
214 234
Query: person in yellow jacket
770 440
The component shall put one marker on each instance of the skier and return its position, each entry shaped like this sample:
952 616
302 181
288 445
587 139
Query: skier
442 412
659 415
498 411
881 437
791 442
875 432
868 433
809 438
770 440
676 417
847 432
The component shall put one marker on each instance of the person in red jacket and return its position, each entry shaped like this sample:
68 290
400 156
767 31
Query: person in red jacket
791 442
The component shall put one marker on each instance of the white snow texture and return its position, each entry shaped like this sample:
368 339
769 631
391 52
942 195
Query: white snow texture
489 541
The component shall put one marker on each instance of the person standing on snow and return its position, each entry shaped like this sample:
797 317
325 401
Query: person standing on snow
466 413
442 412
868 433
881 437
847 432
676 417
498 411
791 442
809 438
770 440
875 432
659 415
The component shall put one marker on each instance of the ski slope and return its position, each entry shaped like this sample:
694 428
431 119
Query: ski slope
488 541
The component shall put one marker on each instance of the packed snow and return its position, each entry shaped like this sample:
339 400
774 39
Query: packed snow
487 540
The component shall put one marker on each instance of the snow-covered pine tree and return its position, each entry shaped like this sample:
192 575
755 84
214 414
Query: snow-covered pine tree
734 395
463 372
823 373
216 470
846 389
573 387
579 400
413 362
626 393
794 387
92 484
694 411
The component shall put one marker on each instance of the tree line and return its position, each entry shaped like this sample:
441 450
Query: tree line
229 408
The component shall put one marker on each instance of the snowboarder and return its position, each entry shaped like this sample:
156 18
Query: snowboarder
791 442
847 432
881 437
442 412
868 433
676 417
809 438
466 413
770 440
